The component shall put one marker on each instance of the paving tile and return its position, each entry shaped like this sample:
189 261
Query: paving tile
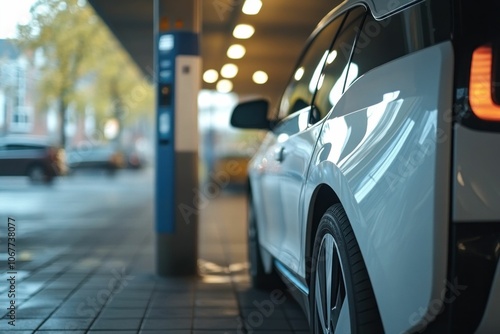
131 294
267 331
54 293
59 332
175 331
127 303
66 324
299 324
112 332
208 305
294 313
170 312
267 313
166 324
208 312
81 311
261 323
34 312
217 323
163 303
122 313
41 302
21 324
116 324
204 331
216 303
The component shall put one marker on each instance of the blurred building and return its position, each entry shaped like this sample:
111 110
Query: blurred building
17 100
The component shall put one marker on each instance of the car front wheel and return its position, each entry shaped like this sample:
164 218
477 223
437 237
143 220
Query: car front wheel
37 174
341 296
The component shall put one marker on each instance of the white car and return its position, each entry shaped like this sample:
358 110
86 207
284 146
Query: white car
376 193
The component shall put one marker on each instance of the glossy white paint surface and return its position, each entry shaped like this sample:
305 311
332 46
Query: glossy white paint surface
278 172
385 151
477 158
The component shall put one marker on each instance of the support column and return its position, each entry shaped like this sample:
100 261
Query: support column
178 73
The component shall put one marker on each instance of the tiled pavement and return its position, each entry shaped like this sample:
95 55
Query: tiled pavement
101 280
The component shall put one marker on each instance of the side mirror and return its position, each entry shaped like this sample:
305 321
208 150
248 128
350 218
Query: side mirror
251 115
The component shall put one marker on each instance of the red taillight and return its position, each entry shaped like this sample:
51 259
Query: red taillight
480 92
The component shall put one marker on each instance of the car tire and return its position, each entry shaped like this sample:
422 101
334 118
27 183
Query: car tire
258 276
340 280
38 174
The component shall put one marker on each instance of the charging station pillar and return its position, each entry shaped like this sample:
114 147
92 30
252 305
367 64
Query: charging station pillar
177 71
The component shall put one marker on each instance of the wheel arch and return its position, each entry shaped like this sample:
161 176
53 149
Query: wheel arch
322 198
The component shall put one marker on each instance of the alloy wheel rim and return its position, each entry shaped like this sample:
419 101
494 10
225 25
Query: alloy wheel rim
37 174
330 302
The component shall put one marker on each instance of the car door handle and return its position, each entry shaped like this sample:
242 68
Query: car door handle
279 154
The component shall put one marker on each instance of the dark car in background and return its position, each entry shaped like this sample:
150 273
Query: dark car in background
105 157
134 158
35 157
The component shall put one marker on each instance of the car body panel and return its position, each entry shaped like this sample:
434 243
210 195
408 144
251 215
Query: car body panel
95 157
476 159
393 151
17 162
263 169
401 129
294 149
491 321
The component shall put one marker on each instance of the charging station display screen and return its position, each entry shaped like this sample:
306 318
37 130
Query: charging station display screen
164 124
166 43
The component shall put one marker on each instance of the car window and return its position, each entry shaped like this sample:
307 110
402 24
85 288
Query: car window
302 85
331 82
12 147
379 42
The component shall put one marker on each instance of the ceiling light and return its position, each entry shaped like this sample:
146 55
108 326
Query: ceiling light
210 76
229 71
260 77
236 51
252 7
224 86
243 31
299 73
